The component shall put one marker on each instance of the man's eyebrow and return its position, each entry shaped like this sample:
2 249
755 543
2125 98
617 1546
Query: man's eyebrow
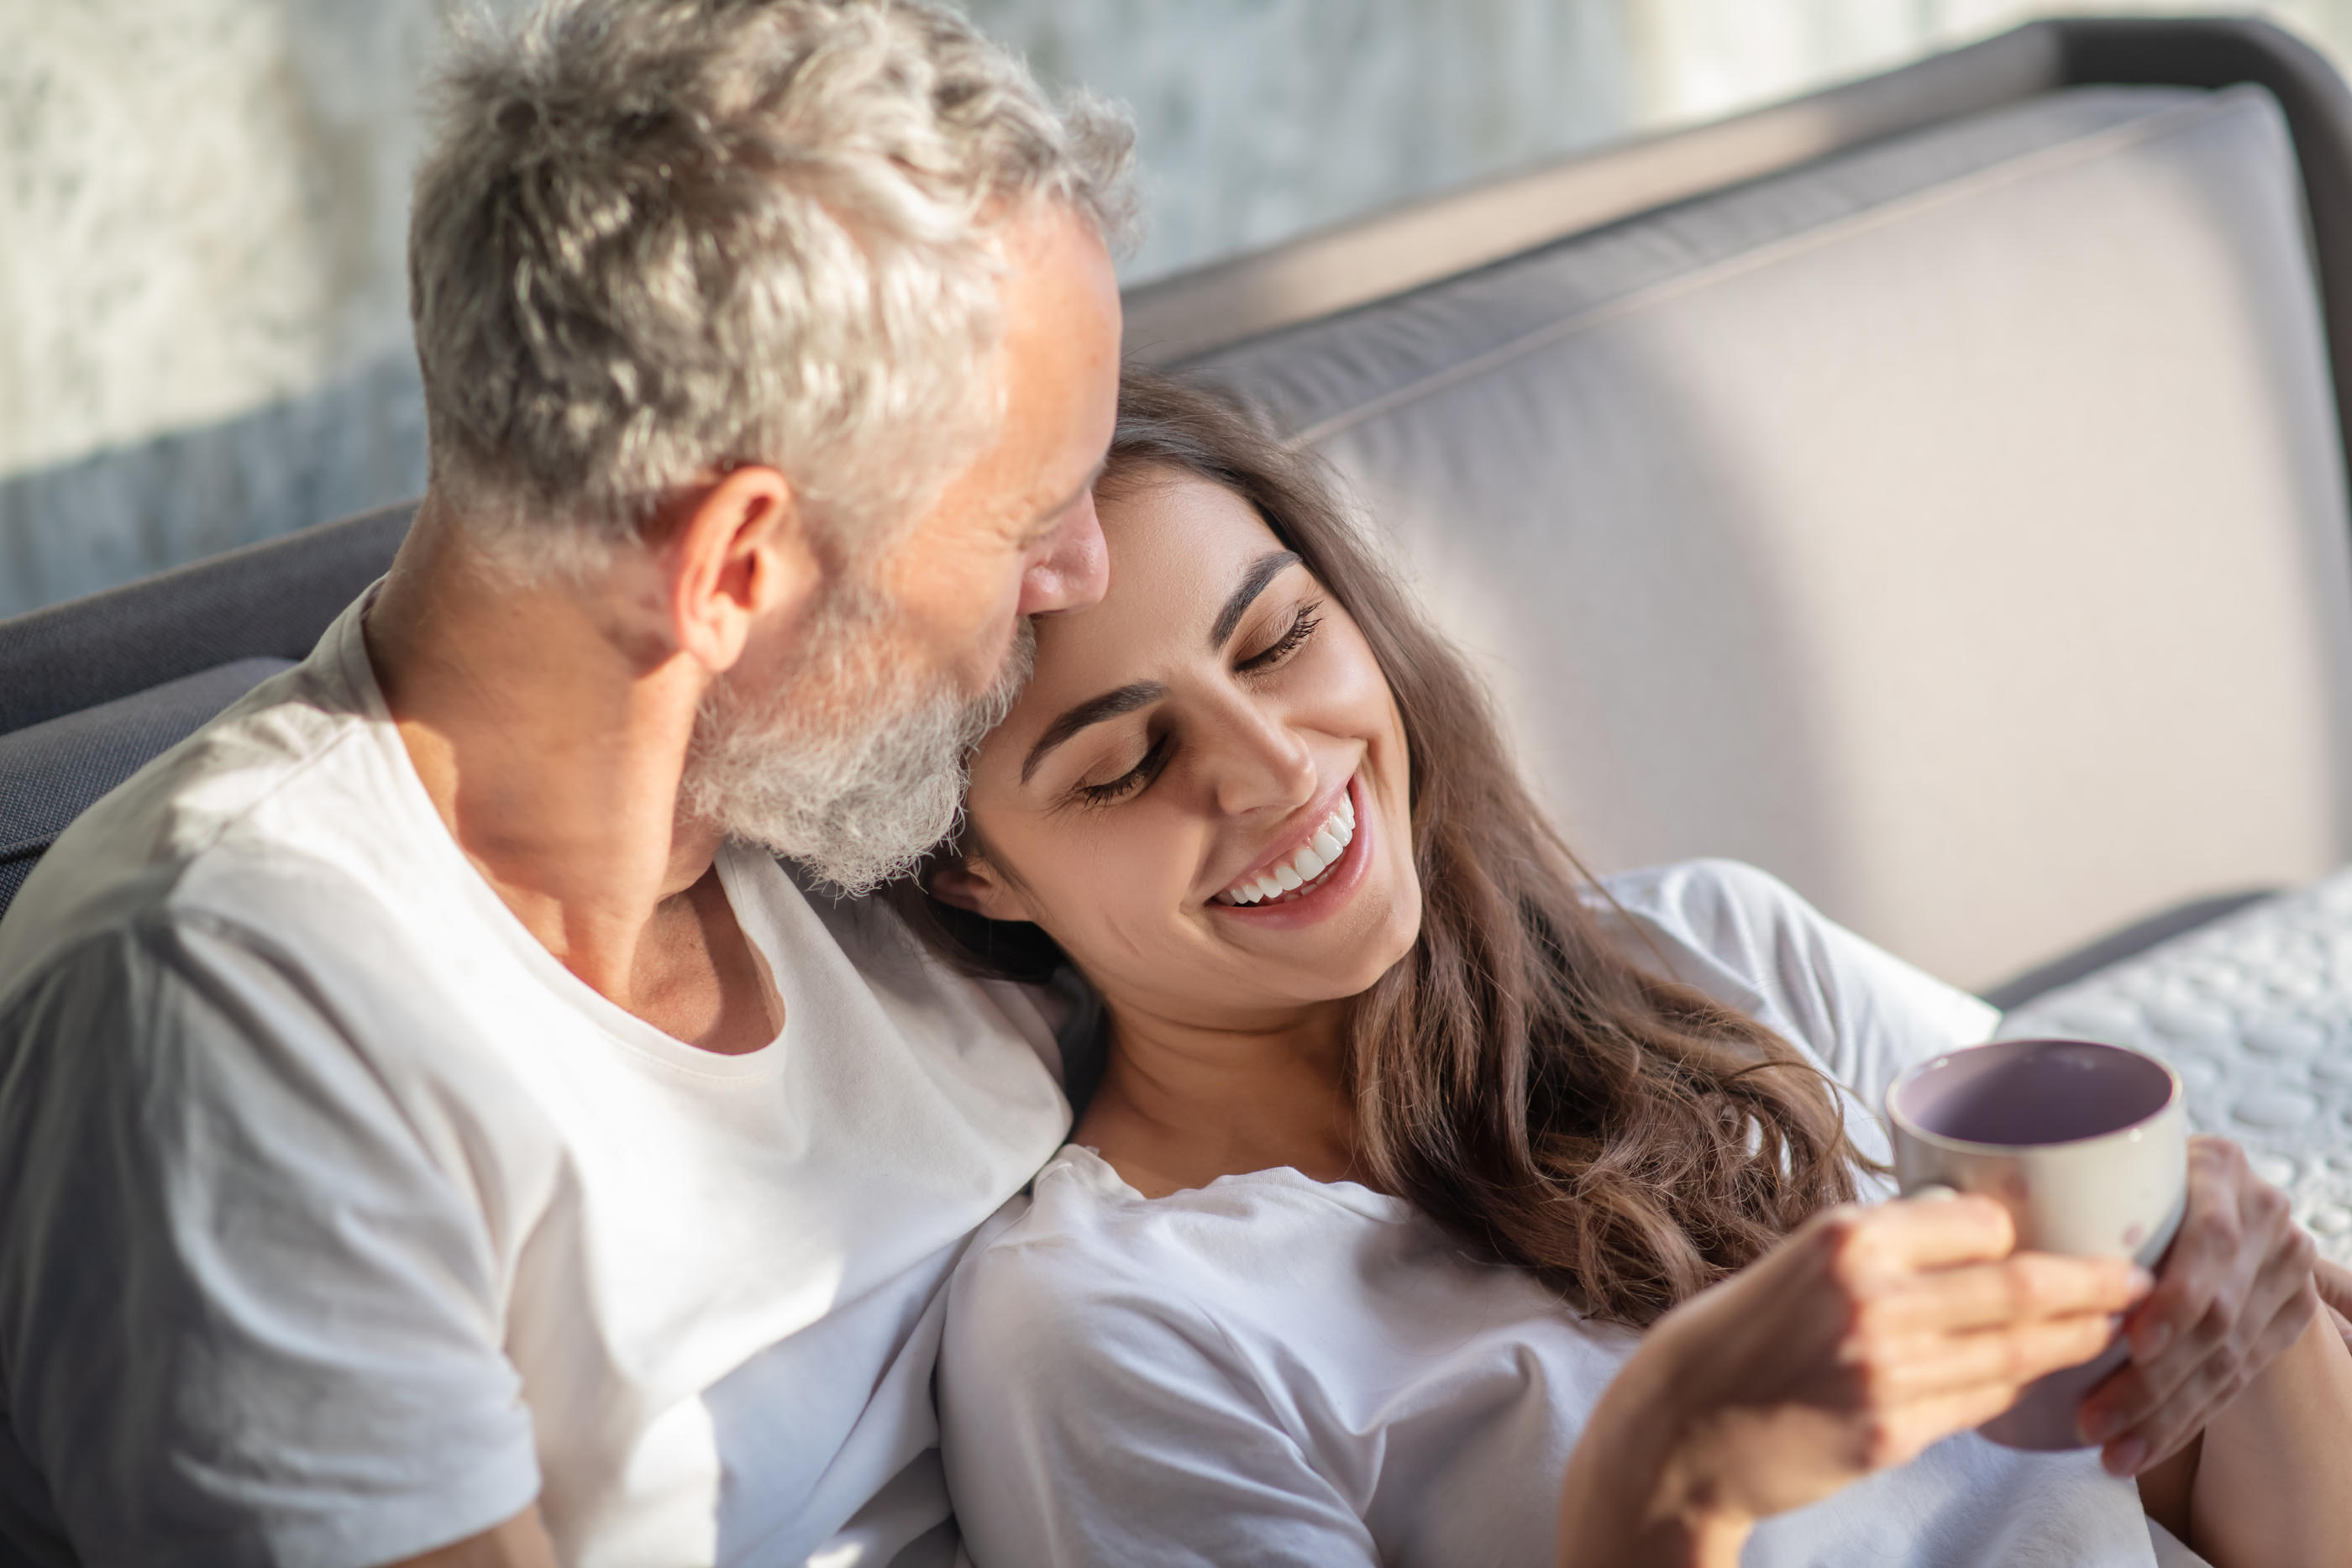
1094 710
1262 571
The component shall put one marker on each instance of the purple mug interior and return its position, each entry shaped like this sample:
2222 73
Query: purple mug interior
2015 1093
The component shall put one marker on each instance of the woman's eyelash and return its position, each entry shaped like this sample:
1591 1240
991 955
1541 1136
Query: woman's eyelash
1128 783
1302 627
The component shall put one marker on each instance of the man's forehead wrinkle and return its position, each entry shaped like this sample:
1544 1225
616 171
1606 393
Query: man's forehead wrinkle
1073 497
1033 514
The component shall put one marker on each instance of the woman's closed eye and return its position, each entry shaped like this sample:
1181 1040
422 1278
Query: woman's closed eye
1127 783
1303 622
1293 637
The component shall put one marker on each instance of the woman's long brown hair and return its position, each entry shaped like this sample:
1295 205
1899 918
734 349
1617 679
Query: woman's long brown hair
1515 1076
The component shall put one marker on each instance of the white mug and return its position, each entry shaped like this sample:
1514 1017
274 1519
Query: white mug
2086 1145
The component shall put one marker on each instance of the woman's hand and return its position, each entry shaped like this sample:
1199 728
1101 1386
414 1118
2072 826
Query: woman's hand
1866 1336
2235 1290
2334 1281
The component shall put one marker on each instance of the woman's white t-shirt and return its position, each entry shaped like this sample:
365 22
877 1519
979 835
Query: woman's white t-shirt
1273 1370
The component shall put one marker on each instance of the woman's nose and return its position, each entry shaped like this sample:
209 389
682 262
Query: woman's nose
1267 766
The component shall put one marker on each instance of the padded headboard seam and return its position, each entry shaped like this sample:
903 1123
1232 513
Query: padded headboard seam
2097 144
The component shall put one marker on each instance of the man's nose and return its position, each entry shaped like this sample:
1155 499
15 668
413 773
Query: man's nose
1075 569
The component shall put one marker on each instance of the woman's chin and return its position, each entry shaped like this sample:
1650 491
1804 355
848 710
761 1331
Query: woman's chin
1344 956
1337 938
1261 994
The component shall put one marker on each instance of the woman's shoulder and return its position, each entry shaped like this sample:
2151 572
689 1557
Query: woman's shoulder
1087 1296
1077 1238
1085 1244
1750 941
1733 930
1719 905
1124 1379
1253 1280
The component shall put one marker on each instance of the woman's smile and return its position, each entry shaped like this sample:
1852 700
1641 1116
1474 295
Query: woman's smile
1312 878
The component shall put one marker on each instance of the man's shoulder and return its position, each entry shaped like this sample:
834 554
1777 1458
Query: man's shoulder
275 803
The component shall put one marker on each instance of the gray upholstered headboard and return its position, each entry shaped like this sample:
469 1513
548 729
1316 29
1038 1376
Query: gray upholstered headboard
1955 525
1928 488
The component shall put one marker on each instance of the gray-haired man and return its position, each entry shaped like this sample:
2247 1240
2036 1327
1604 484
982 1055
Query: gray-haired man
431 1126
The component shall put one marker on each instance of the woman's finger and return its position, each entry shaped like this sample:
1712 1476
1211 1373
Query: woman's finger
2022 1287
2137 1426
2256 1310
2343 1325
1900 1435
2232 1222
2334 1284
1912 1234
2203 1258
1935 1365
2151 1400
2239 1311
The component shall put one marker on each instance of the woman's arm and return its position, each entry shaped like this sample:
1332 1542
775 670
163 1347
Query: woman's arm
1864 1337
2269 1487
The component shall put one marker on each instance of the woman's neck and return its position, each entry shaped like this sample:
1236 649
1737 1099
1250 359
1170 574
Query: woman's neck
1180 1105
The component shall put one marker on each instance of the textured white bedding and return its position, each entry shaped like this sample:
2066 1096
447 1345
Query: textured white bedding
2254 1012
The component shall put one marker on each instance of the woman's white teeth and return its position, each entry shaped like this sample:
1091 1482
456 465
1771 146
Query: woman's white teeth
1317 855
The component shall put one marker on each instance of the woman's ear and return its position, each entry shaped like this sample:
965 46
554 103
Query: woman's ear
977 886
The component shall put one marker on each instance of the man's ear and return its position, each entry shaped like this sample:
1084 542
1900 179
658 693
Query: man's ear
737 553
979 887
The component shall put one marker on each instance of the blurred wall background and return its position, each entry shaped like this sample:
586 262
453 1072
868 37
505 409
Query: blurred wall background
203 329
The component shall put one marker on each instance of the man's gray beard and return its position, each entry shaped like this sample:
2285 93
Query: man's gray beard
853 765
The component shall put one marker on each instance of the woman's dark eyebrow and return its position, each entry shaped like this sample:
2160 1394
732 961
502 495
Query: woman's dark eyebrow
1142 694
1094 710
1262 571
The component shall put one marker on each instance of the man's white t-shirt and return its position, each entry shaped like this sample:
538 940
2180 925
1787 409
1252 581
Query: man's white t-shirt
1294 1374
338 1220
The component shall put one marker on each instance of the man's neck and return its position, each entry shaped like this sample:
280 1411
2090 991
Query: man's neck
1181 1103
553 754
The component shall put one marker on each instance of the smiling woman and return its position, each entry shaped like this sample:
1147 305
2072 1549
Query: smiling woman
1428 1180
1255 684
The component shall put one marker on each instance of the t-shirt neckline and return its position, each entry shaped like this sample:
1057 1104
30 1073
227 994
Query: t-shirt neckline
623 1027
1103 1176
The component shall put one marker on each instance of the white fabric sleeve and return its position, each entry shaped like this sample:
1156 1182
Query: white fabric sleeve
245 1317
1864 1012
1089 1420
1868 1012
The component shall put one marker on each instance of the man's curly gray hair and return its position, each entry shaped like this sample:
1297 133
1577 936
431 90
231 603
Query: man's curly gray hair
654 239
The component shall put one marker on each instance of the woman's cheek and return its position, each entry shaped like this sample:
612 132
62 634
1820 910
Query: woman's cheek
1352 694
1123 885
